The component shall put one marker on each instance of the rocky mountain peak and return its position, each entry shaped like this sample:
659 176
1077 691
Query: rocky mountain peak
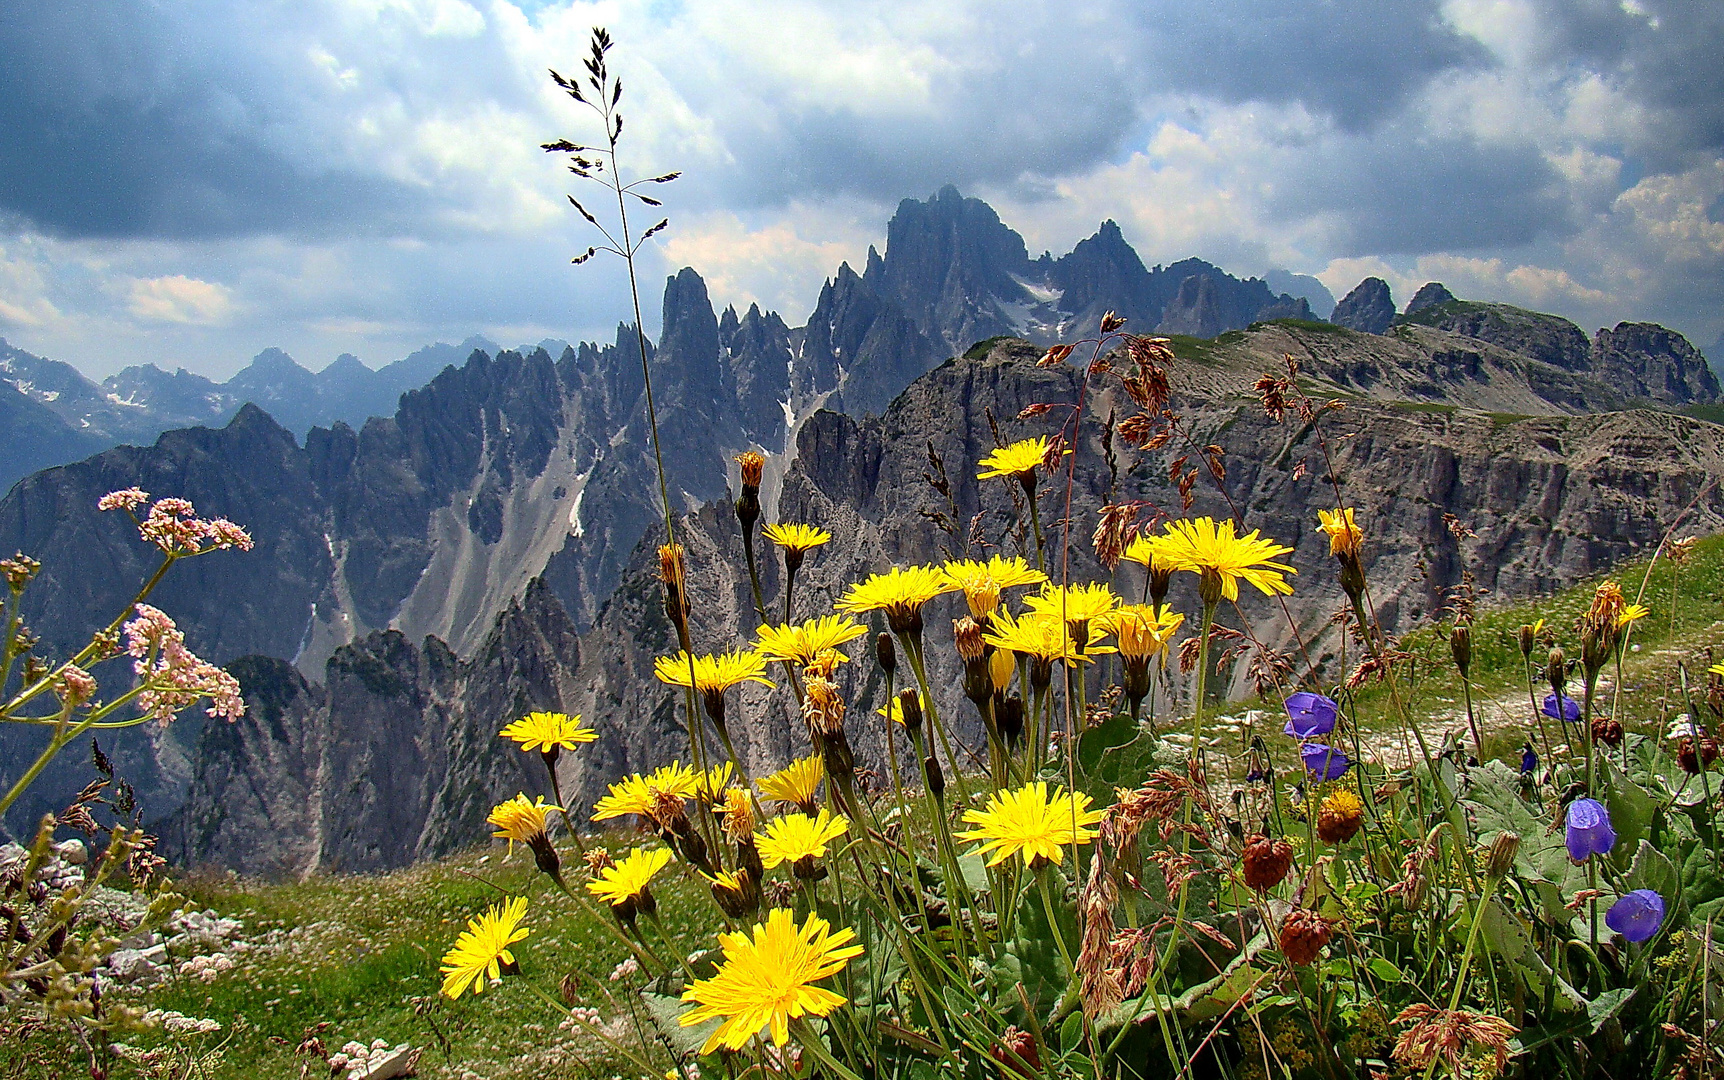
1369 308
1654 364
1430 294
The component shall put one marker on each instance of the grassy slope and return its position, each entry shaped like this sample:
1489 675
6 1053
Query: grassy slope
363 948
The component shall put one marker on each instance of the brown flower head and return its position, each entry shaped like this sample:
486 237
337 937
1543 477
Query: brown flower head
1016 1054
1266 861
1303 935
823 705
1682 550
1607 730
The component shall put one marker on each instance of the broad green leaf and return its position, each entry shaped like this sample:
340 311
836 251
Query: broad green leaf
1385 970
1631 810
664 1010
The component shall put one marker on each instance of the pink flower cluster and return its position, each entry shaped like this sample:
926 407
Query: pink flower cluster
173 525
174 677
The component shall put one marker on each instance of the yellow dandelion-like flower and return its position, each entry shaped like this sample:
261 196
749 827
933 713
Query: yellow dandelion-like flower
1018 460
1043 637
520 819
767 980
799 538
1143 631
1345 536
1632 613
713 674
627 880
899 592
1141 551
1030 823
635 794
548 731
1003 572
797 783
1084 602
893 710
709 785
798 836
802 645
482 950
1211 550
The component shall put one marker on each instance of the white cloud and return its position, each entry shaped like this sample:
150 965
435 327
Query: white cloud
24 292
180 299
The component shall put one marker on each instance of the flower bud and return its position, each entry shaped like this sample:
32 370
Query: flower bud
1607 730
1556 671
1526 641
885 653
1502 853
1461 647
1001 665
967 635
1009 717
748 503
570 990
910 708
936 778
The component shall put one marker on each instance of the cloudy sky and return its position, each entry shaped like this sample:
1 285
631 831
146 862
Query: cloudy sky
190 182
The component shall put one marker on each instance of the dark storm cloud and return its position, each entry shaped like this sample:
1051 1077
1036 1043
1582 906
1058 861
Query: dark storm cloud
1403 193
1356 61
119 121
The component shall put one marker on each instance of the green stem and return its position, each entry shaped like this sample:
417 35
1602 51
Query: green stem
1202 683
1053 919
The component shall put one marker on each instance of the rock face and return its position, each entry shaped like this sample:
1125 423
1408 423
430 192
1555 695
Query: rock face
1553 498
1430 294
1368 309
1654 364
394 758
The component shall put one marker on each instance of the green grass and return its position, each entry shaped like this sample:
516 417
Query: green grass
1649 694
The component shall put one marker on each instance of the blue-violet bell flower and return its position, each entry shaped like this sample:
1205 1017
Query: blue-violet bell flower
1637 916
1323 762
1589 832
1569 711
1310 714
1528 760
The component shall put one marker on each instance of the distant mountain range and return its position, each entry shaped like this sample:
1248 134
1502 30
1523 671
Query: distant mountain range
481 547
59 415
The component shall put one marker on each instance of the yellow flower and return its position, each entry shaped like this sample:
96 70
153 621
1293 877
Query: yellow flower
1043 637
634 794
1085 602
798 538
1005 573
899 592
1018 460
1143 631
709 786
798 782
1211 550
627 880
548 731
767 980
520 819
1632 613
1345 536
1716 669
482 950
1142 552
798 836
1027 822
893 710
713 674
801 645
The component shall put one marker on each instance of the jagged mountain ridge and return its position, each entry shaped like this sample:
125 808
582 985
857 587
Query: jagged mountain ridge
1553 498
